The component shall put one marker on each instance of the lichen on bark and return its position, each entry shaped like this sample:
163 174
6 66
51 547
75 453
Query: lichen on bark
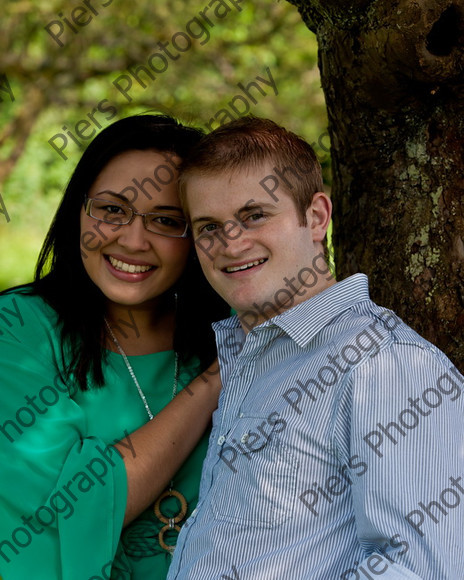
392 75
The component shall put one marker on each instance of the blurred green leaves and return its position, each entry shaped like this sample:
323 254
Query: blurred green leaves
58 86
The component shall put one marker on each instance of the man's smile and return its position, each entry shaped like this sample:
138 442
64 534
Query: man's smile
244 266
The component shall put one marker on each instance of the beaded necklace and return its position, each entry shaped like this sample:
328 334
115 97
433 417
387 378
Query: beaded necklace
171 523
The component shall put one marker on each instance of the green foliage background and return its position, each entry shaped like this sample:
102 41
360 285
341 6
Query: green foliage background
55 86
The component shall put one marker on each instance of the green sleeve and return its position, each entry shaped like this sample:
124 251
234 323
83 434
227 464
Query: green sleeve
62 492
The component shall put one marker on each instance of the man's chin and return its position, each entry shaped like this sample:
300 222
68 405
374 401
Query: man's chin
244 307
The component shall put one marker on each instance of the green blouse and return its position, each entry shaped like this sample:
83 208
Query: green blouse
63 488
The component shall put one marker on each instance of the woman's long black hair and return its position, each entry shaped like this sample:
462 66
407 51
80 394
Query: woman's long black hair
61 279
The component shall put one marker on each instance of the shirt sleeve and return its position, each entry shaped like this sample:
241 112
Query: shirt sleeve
406 425
62 492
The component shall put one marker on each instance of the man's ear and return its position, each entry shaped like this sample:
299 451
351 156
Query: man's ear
319 214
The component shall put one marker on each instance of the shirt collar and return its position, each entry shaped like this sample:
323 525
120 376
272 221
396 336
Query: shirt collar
304 321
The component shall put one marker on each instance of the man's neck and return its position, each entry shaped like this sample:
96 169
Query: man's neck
269 310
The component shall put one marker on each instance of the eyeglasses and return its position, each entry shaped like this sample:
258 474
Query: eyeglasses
110 212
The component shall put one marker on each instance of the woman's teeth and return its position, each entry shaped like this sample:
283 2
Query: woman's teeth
245 266
131 268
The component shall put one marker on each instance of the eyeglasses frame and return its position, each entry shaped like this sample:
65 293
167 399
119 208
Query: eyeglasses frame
88 205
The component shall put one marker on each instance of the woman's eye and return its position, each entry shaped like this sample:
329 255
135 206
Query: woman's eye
167 221
113 209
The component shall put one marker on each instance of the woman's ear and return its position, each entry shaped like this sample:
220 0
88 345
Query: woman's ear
319 214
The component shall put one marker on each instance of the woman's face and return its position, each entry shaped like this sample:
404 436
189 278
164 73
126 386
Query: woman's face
130 265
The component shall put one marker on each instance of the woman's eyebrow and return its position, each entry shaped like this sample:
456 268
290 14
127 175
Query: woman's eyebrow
125 199
113 193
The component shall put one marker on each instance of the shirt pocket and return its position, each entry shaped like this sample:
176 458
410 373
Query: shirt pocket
255 477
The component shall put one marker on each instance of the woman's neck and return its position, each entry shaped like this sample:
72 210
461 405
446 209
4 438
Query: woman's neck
143 329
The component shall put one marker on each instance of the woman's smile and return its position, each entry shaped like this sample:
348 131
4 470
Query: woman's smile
128 272
134 266
128 266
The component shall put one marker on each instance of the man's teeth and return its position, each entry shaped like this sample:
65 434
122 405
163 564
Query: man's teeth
245 266
132 268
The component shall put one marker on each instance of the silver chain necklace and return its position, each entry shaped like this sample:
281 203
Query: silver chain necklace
170 522
134 378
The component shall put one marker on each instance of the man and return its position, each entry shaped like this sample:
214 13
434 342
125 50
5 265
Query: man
337 450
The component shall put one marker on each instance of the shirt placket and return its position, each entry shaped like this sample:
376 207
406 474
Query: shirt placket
241 379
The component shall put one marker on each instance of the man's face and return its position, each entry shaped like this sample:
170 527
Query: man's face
253 249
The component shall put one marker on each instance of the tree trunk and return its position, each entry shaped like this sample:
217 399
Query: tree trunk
393 77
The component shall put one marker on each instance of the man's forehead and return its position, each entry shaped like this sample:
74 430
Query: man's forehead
248 172
227 189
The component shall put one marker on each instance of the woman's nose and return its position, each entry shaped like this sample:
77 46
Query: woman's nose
134 235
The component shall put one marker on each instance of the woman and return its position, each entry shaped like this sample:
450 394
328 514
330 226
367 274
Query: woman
115 324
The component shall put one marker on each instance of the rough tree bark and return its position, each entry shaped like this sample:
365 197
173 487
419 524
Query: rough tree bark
393 76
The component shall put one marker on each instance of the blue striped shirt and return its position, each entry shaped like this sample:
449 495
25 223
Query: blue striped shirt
337 451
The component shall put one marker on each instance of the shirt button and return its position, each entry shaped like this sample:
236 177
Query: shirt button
221 440
245 437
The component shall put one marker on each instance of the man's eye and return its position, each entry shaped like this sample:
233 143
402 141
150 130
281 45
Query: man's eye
255 217
208 228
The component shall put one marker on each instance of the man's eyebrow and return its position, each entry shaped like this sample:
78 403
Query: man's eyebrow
202 219
243 209
255 205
